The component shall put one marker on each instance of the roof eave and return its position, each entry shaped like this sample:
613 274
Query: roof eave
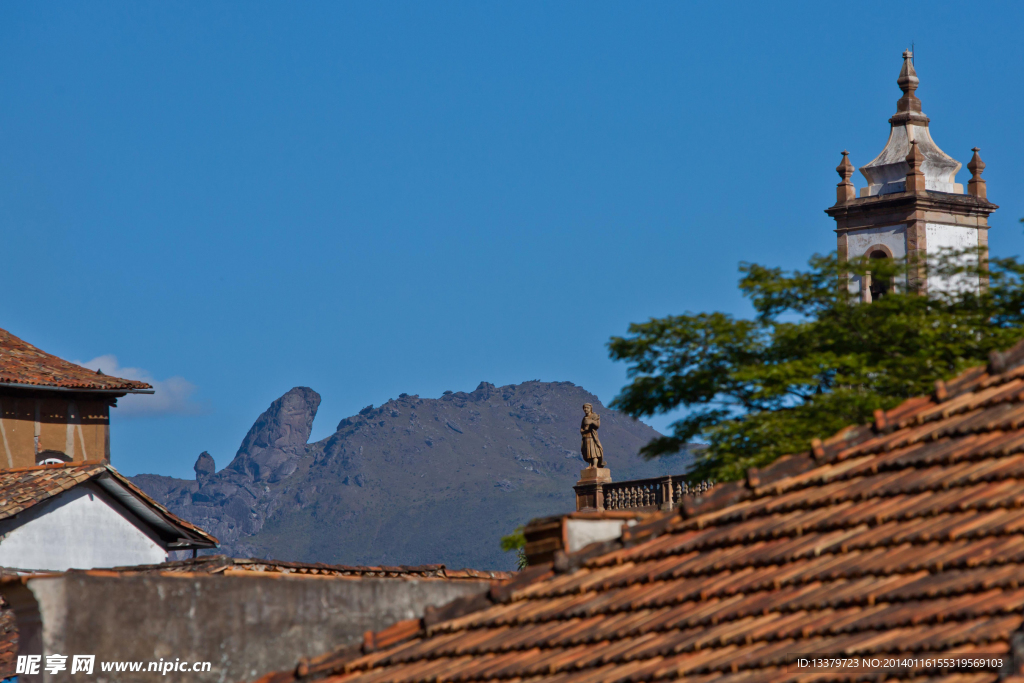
78 390
166 526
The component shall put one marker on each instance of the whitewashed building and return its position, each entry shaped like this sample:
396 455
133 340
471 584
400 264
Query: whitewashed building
81 516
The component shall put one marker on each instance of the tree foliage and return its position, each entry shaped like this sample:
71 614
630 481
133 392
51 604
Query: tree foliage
516 542
813 359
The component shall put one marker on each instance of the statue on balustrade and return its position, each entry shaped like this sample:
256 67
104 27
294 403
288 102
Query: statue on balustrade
591 448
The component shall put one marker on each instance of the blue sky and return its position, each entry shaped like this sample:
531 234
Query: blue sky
233 199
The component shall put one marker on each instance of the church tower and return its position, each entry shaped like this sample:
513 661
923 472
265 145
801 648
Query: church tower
912 205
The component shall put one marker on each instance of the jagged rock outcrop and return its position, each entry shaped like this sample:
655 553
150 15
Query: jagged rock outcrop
413 481
205 467
273 446
232 504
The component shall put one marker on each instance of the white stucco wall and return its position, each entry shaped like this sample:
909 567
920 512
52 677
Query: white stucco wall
78 529
939 237
894 237
580 533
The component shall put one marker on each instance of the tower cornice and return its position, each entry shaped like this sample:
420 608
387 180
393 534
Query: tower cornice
904 207
939 201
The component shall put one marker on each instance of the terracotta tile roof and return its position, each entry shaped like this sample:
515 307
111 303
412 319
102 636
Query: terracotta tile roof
23 488
8 641
22 363
8 632
221 564
898 539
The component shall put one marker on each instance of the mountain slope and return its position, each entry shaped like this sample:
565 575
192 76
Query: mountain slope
413 481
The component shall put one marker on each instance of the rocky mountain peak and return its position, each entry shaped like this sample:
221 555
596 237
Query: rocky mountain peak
271 449
204 467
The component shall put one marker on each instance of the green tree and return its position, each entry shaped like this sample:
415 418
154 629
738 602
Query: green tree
516 542
813 359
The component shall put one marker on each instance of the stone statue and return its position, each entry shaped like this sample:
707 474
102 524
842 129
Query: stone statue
591 448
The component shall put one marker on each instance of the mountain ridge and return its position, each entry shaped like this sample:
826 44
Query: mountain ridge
413 481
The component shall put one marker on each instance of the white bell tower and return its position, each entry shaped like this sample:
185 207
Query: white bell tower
912 205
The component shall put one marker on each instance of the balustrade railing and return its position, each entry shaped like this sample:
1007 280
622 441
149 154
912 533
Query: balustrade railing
661 492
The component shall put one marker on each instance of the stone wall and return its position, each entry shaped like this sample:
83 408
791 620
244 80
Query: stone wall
245 625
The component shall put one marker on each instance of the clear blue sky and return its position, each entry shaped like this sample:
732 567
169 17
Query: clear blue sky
373 198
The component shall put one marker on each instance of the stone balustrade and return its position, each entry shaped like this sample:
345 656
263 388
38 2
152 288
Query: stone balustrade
656 493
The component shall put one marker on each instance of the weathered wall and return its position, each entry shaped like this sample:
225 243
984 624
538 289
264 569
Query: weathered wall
579 533
859 242
29 426
246 625
941 236
81 528
893 237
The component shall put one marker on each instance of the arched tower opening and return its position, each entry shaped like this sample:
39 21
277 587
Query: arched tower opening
880 286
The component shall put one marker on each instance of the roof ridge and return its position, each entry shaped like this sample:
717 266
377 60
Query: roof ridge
204 564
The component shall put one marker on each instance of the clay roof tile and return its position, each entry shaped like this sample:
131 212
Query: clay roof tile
22 364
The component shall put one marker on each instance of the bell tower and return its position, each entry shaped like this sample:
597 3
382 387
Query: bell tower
912 205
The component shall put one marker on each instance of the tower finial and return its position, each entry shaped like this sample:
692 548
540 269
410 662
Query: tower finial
844 190
915 176
976 186
908 82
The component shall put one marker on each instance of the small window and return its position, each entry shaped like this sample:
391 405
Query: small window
879 286
52 457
